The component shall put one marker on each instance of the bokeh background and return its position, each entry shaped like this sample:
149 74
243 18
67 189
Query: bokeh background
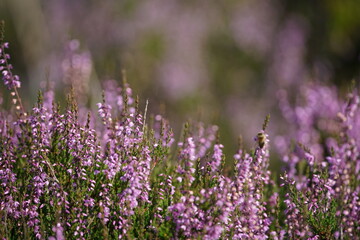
220 62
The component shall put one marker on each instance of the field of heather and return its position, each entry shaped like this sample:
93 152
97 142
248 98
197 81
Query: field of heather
190 121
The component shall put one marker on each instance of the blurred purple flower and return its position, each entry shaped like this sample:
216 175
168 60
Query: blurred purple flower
11 81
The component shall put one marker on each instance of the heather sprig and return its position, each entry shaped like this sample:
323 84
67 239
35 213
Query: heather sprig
250 219
11 81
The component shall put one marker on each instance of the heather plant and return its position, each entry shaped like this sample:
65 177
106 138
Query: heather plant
114 174
323 190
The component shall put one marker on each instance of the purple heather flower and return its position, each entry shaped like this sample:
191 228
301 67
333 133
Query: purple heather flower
297 226
314 113
59 232
248 207
163 132
216 159
11 81
8 201
187 158
204 138
321 114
